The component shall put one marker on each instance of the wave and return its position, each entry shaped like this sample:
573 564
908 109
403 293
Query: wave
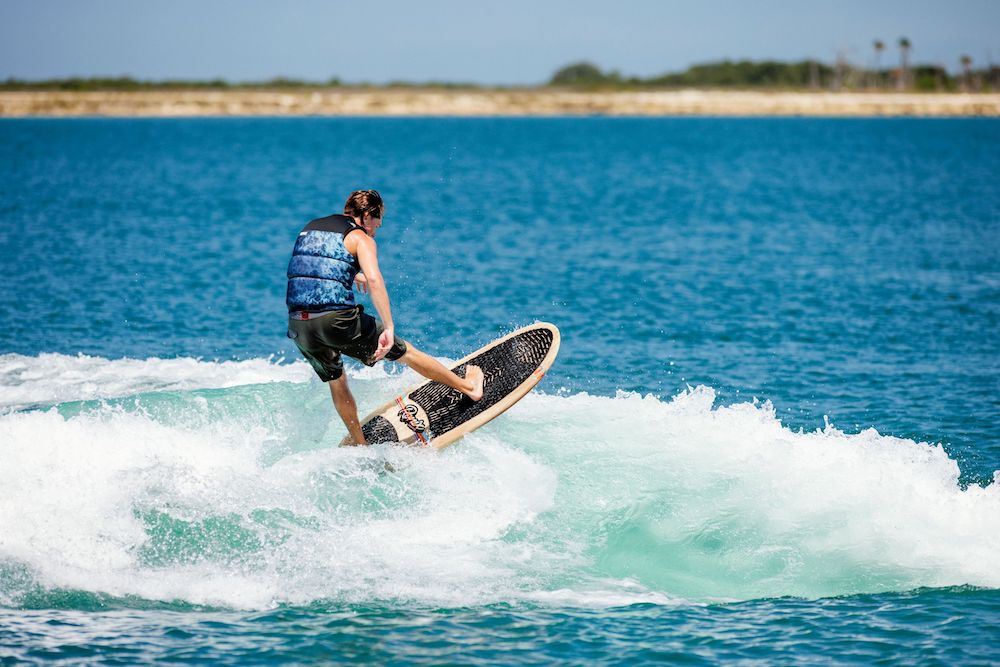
52 378
211 483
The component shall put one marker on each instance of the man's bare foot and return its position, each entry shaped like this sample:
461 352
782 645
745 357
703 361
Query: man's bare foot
474 375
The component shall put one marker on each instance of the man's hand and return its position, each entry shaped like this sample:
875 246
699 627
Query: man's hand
385 342
361 283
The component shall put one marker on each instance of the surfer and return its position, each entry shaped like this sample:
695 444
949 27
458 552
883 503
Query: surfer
332 255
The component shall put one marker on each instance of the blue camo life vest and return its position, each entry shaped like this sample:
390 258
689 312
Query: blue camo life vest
321 271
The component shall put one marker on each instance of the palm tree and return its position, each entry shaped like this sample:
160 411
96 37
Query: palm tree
879 47
839 68
904 63
967 70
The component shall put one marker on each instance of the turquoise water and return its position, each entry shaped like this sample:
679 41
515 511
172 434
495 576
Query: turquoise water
771 433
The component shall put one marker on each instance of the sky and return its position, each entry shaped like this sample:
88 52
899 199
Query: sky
513 42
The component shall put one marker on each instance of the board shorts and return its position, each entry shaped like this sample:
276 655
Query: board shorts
323 338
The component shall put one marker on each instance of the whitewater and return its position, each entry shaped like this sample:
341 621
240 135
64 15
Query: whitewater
219 484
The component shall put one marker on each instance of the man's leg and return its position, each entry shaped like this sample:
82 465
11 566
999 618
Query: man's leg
343 400
432 369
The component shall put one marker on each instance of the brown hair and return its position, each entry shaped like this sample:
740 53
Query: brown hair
364 201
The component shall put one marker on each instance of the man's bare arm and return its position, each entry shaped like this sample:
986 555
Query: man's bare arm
364 248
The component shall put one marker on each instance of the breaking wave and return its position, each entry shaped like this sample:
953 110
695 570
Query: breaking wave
220 484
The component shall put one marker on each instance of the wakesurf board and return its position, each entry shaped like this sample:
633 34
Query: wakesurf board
433 415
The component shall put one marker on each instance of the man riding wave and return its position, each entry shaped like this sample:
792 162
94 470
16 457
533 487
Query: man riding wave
330 257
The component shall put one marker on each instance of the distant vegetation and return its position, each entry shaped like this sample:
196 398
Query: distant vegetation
807 74
125 83
768 74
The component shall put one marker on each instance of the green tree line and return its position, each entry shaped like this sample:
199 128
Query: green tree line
770 74
126 83
767 74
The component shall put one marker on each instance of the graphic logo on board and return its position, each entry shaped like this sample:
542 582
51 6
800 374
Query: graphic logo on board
408 415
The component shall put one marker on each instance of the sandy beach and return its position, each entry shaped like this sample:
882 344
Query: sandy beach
473 102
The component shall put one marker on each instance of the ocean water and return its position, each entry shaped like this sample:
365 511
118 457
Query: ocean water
772 433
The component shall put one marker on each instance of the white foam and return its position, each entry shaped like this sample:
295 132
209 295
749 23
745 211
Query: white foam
74 492
565 500
728 503
54 378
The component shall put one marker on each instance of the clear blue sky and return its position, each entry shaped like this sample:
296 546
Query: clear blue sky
498 42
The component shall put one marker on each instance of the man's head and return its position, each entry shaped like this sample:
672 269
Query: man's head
367 208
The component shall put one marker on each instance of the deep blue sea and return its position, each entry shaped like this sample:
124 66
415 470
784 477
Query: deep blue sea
772 434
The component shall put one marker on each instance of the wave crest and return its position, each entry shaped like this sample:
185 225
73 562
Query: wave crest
205 489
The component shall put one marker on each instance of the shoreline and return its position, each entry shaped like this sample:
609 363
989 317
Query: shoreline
474 102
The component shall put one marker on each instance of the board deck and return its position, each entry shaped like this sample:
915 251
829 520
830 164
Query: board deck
433 415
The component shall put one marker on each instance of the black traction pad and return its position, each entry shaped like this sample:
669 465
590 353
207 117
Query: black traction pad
505 367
